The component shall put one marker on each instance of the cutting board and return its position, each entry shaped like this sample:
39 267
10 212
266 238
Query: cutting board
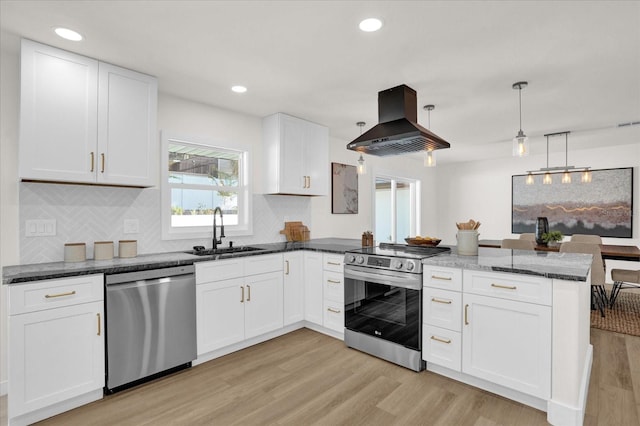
296 231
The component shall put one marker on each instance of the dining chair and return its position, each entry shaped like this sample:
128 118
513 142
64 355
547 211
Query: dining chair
509 243
584 238
623 278
528 236
598 293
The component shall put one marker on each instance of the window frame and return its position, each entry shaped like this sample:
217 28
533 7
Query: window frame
415 205
245 220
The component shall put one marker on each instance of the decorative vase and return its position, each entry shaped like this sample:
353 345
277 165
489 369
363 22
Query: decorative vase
542 227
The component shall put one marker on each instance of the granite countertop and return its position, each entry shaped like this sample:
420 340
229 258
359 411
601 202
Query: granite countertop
566 266
43 271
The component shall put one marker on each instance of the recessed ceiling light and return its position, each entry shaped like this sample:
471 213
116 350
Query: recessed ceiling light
68 34
370 24
239 89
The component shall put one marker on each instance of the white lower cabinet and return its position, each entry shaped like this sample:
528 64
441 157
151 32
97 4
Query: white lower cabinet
324 290
237 299
313 301
56 345
293 287
442 347
508 343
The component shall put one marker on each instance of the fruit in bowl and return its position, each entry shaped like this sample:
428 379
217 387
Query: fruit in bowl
422 241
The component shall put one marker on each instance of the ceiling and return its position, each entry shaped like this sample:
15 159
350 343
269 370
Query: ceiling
309 59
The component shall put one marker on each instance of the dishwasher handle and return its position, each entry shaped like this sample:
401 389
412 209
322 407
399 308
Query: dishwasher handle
150 274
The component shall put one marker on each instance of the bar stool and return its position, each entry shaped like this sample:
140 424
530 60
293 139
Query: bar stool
509 243
623 278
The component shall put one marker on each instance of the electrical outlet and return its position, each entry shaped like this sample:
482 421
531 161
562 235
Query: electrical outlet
40 228
131 226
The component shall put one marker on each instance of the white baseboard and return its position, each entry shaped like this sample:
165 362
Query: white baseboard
3 387
52 410
559 413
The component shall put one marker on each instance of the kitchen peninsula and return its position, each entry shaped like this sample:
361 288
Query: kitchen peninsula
512 322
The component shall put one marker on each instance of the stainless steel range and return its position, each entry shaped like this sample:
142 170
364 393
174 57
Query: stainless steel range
383 301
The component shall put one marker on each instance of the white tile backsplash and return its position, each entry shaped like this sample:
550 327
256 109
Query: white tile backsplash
97 213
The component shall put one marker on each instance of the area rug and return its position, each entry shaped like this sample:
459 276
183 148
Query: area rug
623 318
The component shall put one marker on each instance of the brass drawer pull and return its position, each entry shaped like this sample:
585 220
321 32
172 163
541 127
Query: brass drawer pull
334 282
508 287
92 161
102 159
99 325
466 314
433 299
249 293
435 277
335 311
439 339
287 269
242 299
333 263
50 296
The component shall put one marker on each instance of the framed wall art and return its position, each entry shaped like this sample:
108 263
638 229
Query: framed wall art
344 189
602 207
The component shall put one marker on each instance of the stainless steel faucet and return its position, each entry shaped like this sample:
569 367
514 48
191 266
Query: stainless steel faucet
217 241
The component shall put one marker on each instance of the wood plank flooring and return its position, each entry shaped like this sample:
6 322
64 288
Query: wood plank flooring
307 378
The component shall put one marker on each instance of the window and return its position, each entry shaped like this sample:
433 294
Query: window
396 208
196 179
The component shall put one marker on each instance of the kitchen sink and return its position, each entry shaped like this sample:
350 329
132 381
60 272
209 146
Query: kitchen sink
223 250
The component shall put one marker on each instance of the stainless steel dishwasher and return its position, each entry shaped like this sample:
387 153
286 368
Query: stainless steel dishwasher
150 324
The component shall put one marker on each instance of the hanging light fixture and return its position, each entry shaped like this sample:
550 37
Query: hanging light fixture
362 167
521 141
430 156
566 169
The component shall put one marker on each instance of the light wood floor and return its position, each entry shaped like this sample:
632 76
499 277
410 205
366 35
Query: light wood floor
308 378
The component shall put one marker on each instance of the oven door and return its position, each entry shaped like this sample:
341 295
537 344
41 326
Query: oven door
384 304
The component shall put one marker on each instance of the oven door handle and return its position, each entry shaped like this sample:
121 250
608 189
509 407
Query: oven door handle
410 281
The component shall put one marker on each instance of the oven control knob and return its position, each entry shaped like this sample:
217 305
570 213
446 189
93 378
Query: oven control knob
350 258
410 266
360 259
398 264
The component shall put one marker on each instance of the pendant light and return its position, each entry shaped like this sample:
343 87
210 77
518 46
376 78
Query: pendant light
362 167
430 156
521 141
565 170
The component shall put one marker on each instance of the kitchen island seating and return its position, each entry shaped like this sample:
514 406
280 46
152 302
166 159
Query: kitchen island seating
528 236
598 293
584 238
510 243
623 278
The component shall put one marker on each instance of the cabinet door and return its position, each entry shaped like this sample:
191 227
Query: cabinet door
316 159
220 314
508 343
293 287
58 114
292 153
313 299
127 134
55 355
263 304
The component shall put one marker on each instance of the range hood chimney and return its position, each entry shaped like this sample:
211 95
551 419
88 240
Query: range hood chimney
397 131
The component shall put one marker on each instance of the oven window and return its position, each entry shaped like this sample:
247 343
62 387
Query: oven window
383 302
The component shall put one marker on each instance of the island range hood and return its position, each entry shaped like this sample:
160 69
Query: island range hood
397 131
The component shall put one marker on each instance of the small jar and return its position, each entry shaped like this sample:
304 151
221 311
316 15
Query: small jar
103 250
75 252
127 248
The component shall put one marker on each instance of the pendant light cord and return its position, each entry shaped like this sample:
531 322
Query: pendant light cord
520 103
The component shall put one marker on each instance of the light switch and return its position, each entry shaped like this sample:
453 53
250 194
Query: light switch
40 228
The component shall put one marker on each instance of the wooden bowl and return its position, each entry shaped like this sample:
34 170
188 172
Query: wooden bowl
422 242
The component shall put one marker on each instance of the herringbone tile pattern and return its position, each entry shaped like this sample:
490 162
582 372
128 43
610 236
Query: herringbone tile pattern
95 213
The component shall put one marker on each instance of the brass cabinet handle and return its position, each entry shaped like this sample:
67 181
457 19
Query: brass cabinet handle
102 160
335 311
286 262
508 287
435 277
99 326
309 180
333 263
249 293
333 282
242 300
70 293
92 161
433 299
439 339
466 314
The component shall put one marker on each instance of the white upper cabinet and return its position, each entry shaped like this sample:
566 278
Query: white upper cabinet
84 121
297 156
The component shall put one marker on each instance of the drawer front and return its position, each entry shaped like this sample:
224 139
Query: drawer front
442 347
442 277
218 270
333 262
49 294
333 287
442 308
509 286
262 264
333 316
